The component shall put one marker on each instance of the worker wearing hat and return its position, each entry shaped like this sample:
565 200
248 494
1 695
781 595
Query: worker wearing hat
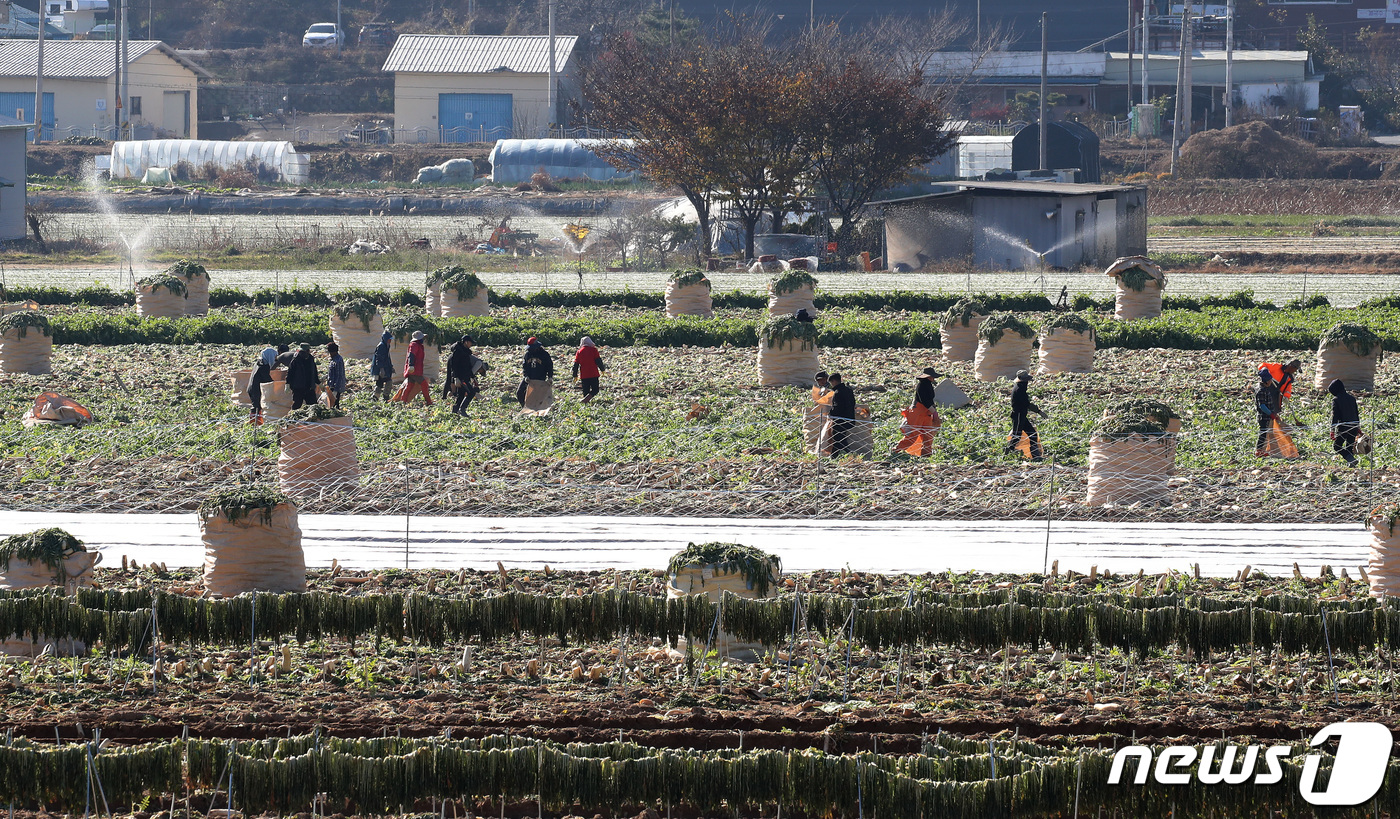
463 369
921 421
1021 408
1283 376
414 379
537 366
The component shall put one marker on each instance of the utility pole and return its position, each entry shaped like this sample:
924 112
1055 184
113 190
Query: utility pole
1146 48
117 72
1132 33
122 107
339 32
553 78
1177 134
1044 87
1229 62
39 78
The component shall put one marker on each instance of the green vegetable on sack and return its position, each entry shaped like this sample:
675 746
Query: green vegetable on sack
21 320
686 278
402 326
758 568
783 329
1069 321
1137 416
963 311
175 285
463 283
791 281
992 329
1357 339
1388 512
310 414
1136 278
362 309
187 270
239 502
444 273
49 547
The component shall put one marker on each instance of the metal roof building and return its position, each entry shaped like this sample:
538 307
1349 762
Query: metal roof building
476 88
80 93
1016 225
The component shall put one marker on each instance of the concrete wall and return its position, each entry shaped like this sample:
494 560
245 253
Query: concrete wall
416 97
75 100
12 167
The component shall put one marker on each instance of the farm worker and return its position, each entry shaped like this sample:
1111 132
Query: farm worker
414 381
462 371
817 415
382 368
1283 377
335 376
587 366
1346 422
1268 401
302 377
262 374
843 414
537 366
1021 408
921 420
284 355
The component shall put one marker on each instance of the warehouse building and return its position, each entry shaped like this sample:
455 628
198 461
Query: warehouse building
13 169
450 88
1016 225
80 93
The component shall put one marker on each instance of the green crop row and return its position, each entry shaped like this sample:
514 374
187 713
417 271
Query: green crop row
898 300
1219 328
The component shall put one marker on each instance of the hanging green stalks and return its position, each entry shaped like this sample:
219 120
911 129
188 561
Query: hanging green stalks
778 330
686 278
760 569
963 311
992 329
48 547
790 281
242 501
362 309
188 270
164 281
22 320
1358 340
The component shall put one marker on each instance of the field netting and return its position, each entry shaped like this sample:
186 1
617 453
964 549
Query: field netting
764 472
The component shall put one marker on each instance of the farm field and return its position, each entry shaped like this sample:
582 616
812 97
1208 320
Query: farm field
534 691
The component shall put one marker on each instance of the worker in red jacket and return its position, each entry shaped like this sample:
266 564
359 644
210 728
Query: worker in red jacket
414 381
1283 376
588 365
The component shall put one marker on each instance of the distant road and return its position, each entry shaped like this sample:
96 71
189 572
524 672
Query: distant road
1225 245
585 543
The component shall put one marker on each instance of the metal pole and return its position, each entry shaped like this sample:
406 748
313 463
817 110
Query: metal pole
1229 62
1146 47
1132 32
553 76
407 514
1188 97
339 32
39 81
1044 85
1180 78
123 109
1049 513
117 70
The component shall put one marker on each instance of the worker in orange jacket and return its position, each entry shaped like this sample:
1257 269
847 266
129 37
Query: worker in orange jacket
414 381
1283 376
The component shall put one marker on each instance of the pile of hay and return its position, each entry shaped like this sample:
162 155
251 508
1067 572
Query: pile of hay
1249 151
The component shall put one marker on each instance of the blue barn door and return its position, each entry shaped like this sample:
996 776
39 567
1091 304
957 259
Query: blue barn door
473 117
20 105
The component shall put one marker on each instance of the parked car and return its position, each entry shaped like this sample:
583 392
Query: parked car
323 35
377 35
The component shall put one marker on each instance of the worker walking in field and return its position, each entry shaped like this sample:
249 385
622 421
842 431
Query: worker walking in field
921 420
262 374
588 365
1021 408
1346 422
1283 376
843 414
414 381
463 370
335 376
302 377
537 366
381 367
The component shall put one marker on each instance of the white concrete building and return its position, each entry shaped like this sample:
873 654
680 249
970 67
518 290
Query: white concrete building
13 170
450 88
80 93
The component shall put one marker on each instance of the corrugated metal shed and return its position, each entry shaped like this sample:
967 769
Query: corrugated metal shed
78 59
476 54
